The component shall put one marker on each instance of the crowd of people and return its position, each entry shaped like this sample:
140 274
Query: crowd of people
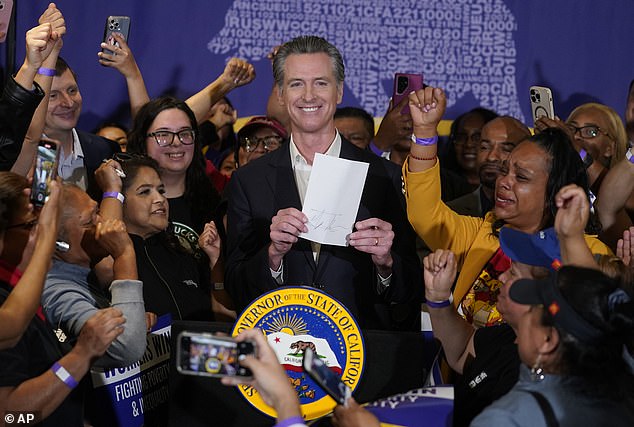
518 243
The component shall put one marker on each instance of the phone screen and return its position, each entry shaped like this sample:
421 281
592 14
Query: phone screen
325 377
45 171
207 355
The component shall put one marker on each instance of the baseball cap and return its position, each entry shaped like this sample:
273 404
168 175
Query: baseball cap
546 292
539 249
262 121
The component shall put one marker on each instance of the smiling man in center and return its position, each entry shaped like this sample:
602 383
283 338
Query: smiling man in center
378 276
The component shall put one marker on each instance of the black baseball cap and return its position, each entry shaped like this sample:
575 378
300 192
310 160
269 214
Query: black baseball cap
546 292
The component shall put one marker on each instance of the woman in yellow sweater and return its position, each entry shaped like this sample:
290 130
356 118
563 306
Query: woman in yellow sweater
524 200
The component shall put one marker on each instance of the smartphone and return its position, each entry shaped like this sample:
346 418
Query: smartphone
45 170
325 377
116 25
6 7
204 354
541 103
404 84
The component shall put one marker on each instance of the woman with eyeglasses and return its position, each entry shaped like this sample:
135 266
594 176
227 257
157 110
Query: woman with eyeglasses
166 130
599 136
598 129
260 135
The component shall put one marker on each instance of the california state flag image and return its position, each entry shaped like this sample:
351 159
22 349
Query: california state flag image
290 350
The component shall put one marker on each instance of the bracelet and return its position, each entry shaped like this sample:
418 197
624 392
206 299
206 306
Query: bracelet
64 375
629 156
43 71
115 195
289 422
441 304
376 150
425 141
423 158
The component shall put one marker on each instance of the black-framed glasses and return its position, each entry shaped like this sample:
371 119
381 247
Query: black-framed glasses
588 132
165 137
25 225
461 138
269 143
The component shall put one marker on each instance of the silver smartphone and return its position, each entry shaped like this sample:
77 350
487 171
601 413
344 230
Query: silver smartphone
329 381
204 354
541 103
119 25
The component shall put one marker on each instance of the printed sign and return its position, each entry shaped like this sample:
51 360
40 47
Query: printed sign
296 318
462 46
433 404
129 396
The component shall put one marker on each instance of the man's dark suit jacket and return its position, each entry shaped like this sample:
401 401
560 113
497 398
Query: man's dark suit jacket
96 149
263 187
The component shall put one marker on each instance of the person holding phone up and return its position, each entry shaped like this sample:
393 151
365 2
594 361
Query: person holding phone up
269 379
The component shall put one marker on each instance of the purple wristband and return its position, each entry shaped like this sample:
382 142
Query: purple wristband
425 141
113 194
43 71
376 150
292 421
64 375
440 304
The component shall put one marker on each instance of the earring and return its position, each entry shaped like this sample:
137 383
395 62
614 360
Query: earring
537 373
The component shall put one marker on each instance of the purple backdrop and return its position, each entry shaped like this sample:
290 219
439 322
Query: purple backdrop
484 52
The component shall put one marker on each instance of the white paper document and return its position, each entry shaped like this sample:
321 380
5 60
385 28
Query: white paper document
332 199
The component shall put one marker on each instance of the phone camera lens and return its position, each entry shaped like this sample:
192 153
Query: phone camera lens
111 27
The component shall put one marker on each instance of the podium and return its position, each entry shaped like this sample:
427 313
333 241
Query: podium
394 363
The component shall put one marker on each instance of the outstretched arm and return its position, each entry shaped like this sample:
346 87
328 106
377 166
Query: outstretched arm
269 377
22 303
237 73
454 333
426 107
616 192
43 44
46 392
122 60
573 210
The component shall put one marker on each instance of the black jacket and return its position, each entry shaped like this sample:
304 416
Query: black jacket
17 106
